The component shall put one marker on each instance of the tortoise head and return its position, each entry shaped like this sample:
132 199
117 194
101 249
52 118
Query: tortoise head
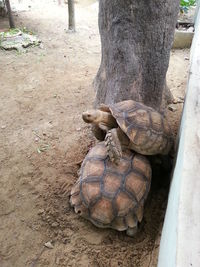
91 116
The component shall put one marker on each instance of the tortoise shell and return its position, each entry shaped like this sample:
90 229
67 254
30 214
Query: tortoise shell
109 195
146 128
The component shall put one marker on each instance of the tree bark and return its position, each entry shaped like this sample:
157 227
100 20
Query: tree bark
10 17
136 38
71 14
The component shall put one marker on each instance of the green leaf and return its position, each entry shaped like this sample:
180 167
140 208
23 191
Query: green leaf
187 3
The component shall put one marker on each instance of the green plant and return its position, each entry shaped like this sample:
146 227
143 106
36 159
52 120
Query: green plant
185 4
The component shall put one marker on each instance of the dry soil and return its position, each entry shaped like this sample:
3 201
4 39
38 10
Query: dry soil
43 141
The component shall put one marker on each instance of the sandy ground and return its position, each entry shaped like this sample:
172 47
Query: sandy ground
43 141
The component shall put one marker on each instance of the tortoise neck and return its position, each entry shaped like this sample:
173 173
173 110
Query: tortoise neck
107 118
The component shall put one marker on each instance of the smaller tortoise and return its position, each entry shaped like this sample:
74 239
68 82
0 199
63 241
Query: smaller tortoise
130 125
112 196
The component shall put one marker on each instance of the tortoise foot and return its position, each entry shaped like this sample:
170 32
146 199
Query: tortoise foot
113 146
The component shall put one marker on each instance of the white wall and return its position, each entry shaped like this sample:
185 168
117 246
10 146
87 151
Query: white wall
180 241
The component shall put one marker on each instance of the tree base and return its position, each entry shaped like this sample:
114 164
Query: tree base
136 38
70 31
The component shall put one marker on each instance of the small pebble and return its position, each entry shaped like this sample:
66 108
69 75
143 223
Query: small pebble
55 224
186 58
41 46
48 245
178 101
40 211
65 240
190 29
78 129
3 126
171 108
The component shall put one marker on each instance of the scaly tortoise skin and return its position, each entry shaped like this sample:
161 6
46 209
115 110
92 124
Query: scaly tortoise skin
130 124
112 196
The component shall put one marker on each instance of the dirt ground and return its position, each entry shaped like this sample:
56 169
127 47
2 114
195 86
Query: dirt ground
43 141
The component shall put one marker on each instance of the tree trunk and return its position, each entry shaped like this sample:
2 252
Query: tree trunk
10 17
71 14
136 38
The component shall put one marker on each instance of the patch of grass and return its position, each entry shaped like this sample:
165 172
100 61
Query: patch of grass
9 33
24 30
15 31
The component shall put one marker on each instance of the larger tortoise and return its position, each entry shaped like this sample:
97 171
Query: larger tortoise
133 125
112 196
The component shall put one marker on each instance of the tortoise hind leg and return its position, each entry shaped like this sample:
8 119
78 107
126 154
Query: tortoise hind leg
113 145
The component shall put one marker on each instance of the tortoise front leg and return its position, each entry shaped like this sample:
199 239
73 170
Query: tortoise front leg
113 145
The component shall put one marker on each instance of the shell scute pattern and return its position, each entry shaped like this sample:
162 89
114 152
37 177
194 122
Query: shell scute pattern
114 195
147 129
